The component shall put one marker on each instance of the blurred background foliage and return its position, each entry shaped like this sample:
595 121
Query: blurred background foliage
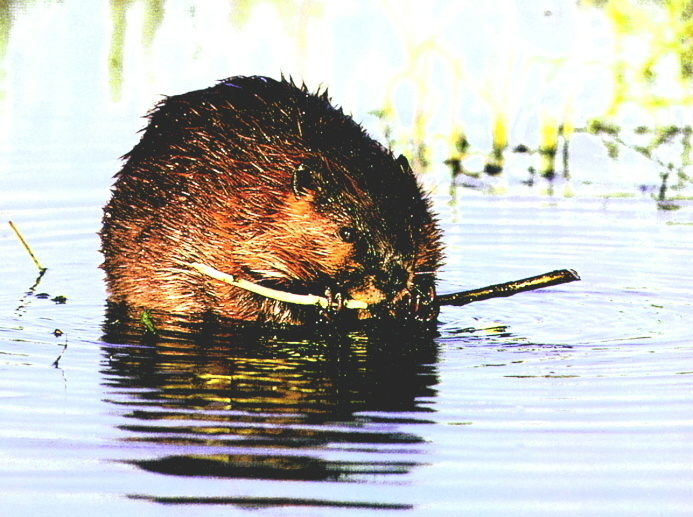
545 94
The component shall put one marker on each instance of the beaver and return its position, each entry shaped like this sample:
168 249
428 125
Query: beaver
265 181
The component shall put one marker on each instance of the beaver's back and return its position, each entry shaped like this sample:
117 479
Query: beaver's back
261 179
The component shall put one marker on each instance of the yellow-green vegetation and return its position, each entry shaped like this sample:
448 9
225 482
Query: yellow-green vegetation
646 36
651 67
427 59
459 151
7 13
499 133
153 17
566 130
657 148
26 247
548 146
5 25
148 322
296 15
422 57
508 81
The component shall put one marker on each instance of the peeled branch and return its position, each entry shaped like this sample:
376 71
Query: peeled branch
462 298
282 296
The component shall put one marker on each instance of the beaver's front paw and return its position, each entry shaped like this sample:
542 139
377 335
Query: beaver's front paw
424 307
418 304
335 304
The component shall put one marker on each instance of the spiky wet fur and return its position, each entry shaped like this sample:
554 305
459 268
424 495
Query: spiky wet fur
263 180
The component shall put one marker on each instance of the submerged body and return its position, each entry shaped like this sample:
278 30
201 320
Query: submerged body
264 181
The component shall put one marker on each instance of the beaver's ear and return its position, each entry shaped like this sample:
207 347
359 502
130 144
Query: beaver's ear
403 163
302 181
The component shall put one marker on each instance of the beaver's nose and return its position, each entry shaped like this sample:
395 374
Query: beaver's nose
392 278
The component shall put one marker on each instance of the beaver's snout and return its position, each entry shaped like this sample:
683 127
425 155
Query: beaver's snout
391 279
377 285
393 291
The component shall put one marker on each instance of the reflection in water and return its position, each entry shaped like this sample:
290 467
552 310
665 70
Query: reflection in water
270 405
153 18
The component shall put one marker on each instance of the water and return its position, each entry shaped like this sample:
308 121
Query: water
574 399
571 400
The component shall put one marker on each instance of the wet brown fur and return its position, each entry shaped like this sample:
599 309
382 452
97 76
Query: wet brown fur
265 181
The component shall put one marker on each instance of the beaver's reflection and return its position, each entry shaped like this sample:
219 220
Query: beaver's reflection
273 405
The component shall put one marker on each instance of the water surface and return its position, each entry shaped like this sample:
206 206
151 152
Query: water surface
574 399
571 400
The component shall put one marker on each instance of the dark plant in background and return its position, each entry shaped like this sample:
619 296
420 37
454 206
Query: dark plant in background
669 147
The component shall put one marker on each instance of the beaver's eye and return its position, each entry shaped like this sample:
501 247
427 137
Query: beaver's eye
348 234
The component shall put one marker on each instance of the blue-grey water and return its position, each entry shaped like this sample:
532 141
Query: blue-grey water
574 399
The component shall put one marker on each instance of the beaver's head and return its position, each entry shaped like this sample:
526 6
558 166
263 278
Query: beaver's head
339 234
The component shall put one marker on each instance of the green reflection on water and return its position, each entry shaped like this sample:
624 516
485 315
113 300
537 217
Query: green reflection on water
153 18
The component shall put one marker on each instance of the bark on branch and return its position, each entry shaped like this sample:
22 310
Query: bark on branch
557 277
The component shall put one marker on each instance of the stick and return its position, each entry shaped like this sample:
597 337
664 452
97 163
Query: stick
462 298
283 296
58 333
27 248
557 277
